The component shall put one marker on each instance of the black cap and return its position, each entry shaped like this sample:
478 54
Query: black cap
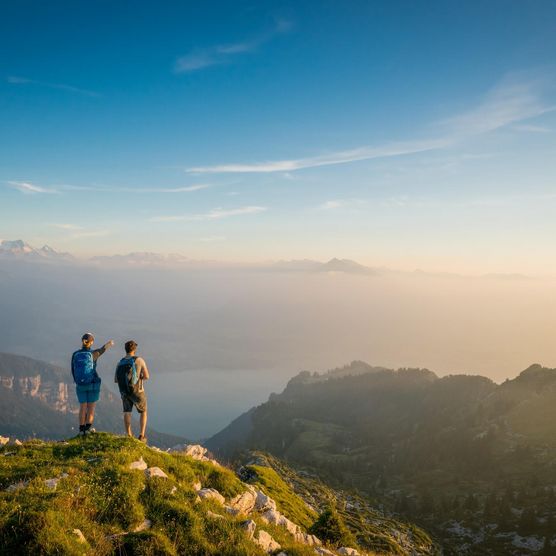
87 337
130 345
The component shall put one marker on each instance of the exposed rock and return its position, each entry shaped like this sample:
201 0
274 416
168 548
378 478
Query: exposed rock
14 442
139 464
197 485
17 486
214 516
347 551
311 540
249 527
264 502
53 483
196 451
80 536
323 551
266 542
211 493
143 526
4 440
152 472
174 490
276 518
245 502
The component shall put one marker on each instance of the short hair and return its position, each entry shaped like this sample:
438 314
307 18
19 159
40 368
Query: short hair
87 337
130 346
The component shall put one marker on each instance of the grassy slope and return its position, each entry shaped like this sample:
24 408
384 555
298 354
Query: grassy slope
299 496
102 497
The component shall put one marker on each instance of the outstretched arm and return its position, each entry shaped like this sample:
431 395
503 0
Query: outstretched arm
98 352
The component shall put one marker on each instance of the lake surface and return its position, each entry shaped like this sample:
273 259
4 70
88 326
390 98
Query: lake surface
198 404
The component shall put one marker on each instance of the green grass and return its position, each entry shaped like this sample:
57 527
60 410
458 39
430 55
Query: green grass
106 500
287 502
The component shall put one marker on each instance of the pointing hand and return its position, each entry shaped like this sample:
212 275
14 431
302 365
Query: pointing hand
110 343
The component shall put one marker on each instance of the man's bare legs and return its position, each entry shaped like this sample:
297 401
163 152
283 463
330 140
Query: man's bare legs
127 423
143 423
82 414
90 413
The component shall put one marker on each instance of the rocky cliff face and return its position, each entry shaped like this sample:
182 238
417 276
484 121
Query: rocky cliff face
38 399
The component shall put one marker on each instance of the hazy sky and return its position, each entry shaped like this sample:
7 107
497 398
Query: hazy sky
404 134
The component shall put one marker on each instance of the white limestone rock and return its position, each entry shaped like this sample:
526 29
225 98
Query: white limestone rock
211 493
347 551
17 486
214 515
196 451
321 551
264 502
249 527
79 535
143 526
266 542
245 502
152 472
197 486
53 483
140 464
4 440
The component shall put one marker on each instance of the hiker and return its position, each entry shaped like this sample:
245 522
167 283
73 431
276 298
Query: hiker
130 374
87 381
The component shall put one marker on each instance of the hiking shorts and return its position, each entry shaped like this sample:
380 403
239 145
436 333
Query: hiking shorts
139 400
88 393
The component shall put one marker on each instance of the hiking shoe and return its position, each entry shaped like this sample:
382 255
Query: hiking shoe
142 438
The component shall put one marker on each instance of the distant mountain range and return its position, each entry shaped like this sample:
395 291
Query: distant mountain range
18 249
38 399
333 265
470 460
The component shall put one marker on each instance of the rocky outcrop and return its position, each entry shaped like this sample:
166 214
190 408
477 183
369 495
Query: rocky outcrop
211 494
140 464
154 472
244 503
266 542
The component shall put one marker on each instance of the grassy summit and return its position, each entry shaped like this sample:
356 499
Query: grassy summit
106 501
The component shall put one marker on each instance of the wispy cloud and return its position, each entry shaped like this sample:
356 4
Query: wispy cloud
70 227
215 214
341 203
529 128
200 58
14 80
339 157
30 188
513 100
84 234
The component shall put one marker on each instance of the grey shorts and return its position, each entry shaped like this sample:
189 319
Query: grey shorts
138 400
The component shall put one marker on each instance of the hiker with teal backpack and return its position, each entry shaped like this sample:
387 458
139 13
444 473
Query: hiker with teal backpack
130 374
87 381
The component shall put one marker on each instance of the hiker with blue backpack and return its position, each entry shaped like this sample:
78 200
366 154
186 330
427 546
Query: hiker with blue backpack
130 374
87 381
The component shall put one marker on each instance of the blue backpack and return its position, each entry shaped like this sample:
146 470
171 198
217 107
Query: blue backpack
126 376
83 367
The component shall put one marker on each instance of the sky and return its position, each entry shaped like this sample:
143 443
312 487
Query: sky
398 134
